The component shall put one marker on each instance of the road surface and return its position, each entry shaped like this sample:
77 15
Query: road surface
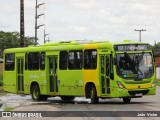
25 103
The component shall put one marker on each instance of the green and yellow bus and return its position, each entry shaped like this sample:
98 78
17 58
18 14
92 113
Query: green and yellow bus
81 68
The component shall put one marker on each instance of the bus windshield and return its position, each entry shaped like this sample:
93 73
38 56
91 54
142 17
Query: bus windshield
134 65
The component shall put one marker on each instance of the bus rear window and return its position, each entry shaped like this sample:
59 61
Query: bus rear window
9 62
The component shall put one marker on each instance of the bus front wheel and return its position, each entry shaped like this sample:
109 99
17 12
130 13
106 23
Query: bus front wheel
35 93
94 98
126 100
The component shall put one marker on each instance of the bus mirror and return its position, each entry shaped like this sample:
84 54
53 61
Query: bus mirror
115 61
154 55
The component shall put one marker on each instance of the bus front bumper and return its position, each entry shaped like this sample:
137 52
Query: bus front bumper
135 92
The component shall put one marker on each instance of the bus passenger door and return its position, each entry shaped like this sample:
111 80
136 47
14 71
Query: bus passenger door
53 84
105 74
20 77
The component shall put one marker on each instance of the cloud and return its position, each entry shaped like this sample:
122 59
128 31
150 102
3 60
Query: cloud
84 5
86 19
29 4
80 29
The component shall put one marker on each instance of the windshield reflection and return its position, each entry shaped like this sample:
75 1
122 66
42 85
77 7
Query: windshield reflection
137 65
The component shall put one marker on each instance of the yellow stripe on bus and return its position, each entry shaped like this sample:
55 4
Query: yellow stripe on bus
90 76
130 87
90 46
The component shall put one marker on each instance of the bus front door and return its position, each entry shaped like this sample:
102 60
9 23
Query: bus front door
53 84
105 74
20 77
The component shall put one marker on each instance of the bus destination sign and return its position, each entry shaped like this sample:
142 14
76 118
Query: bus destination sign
132 47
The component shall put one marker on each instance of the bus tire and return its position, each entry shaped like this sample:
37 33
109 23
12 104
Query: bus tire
126 100
93 94
67 98
35 91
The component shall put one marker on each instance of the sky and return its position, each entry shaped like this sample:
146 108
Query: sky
112 20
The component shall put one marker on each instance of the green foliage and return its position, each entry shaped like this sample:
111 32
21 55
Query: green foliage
1 84
1 90
7 109
156 49
158 82
12 40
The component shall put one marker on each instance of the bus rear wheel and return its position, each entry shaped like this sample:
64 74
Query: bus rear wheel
35 91
94 98
126 100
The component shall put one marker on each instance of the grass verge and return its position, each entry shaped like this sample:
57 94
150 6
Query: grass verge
158 82
1 79
8 109
1 84
1 89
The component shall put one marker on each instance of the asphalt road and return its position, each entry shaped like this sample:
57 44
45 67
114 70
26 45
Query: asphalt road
146 103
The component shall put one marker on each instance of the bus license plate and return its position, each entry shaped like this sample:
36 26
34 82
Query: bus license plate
139 94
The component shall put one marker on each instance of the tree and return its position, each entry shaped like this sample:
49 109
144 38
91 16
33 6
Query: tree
29 41
12 40
156 49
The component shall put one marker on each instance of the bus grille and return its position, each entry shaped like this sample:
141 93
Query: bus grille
144 92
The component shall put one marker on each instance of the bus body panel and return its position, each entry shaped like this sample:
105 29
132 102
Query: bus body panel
73 82
37 77
70 82
10 82
91 76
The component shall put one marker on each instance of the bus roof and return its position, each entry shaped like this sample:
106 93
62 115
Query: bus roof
71 45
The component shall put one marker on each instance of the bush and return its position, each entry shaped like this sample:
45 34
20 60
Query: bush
158 82
1 80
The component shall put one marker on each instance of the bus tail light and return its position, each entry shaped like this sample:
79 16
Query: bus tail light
120 85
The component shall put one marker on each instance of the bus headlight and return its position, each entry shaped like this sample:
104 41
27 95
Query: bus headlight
120 85
154 83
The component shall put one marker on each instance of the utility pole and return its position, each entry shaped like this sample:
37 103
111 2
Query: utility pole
21 23
36 24
48 40
45 35
45 31
36 17
140 33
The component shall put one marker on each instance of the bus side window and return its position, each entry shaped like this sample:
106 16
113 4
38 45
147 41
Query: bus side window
42 60
63 60
33 61
9 62
90 59
75 60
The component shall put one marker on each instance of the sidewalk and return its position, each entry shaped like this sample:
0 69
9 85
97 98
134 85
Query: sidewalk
158 88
